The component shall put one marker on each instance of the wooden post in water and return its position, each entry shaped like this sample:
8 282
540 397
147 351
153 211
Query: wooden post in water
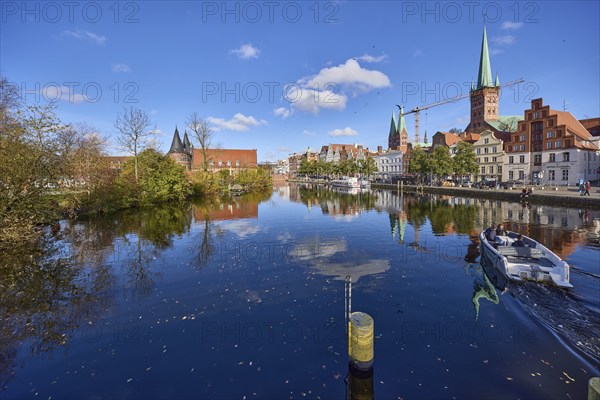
594 389
362 328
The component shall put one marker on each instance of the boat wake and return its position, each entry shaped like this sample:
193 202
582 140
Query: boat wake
565 316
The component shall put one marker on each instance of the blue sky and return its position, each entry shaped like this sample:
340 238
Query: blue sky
282 76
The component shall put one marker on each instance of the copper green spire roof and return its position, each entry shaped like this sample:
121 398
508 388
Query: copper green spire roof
393 126
472 85
485 69
401 122
497 83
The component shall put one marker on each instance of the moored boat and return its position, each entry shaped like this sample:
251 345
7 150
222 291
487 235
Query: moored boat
533 261
347 182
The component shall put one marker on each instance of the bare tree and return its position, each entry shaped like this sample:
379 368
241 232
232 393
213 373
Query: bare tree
133 128
204 136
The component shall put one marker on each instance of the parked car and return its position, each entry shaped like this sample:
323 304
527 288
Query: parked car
513 184
467 184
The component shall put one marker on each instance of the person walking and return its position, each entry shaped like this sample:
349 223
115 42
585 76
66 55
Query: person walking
587 188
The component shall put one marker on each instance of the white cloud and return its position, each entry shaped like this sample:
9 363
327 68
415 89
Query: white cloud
238 123
511 25
64 93
284 149
371 59
283 112
350 75
86 35
331 87
417 53
309 133
120 68
495 51
312 101
503 40
347 131
246 51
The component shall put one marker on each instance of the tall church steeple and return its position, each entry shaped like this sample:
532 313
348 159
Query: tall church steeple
485 95
485 69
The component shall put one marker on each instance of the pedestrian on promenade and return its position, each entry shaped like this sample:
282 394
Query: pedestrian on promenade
587 188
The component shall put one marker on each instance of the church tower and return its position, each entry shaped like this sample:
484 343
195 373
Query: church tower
180 151
393 140
484 96
402 133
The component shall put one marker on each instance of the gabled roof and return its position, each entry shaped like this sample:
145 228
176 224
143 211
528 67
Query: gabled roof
576 128
176 145
449 137
470 137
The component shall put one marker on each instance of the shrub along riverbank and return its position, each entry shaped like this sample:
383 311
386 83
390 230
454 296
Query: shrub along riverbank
50 170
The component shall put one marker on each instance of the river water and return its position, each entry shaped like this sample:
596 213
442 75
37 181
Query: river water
244 298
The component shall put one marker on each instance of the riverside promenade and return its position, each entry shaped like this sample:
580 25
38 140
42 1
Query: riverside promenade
548 195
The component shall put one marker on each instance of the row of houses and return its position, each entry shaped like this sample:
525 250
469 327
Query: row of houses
542 146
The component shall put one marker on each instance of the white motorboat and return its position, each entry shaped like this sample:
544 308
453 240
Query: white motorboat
346 182
532 262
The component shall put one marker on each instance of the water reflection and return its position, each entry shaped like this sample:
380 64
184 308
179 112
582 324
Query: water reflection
204 260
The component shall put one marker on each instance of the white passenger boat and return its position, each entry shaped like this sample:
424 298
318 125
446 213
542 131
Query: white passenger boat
364 183
346 182
530 262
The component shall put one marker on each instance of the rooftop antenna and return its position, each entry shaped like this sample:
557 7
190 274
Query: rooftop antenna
564 105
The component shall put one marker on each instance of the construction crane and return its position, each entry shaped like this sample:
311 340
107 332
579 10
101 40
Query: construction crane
417 110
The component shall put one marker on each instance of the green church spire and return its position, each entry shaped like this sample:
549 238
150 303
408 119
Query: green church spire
485 69
393 126
497 82
401 122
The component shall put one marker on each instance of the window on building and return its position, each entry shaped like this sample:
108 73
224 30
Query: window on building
565 174
211 163
565 156
482 170
522 147
511 175
494 149
228 163
536 115
237 163
490 170
558 144
485 150
544 113
522 159
537 126
537 159
220 163
478 151
486 141
552 157
486 159
511 159
551 175
521 174
549 135
522 127
499 169
549 145
494 159
522 138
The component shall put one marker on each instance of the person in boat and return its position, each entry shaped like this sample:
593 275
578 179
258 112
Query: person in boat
500 231
490 235
519 242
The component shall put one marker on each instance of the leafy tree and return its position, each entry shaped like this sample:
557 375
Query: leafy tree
368 166
465 160
419 162
160 179
455 130
441 162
